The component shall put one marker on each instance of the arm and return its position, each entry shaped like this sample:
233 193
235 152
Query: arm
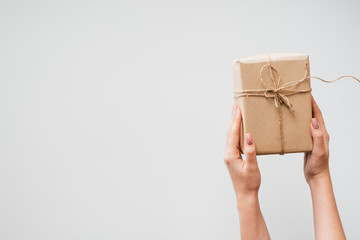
245 176
316 169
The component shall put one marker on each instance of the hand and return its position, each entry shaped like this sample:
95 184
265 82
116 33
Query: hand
245 174
316 163
316 169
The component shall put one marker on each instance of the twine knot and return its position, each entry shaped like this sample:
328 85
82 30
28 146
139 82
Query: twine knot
275 91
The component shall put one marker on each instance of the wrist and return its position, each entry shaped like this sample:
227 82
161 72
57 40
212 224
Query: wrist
320 179
245 200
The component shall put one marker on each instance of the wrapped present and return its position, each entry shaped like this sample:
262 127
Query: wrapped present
274 94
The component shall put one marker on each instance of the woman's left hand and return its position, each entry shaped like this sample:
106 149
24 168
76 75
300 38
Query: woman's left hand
244 173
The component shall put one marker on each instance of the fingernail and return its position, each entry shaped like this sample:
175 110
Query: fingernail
249 139
233 109
315 123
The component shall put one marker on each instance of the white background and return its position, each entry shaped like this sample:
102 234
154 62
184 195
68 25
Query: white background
113 116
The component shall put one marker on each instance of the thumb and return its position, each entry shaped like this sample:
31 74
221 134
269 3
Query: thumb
317 134
250 150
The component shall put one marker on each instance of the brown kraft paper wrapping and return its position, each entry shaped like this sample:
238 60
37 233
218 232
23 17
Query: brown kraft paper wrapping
260 115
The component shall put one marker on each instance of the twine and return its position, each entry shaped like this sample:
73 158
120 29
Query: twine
280 93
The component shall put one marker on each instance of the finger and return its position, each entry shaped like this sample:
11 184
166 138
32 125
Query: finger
232 119
318 115
317 112
250 150
318 136
231 151
235 108
234 132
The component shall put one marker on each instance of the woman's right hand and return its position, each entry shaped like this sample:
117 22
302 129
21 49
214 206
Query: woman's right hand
316 162
316 169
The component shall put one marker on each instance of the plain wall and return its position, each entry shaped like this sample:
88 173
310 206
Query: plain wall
113 116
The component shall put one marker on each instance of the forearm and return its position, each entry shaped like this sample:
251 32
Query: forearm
326 217
252 223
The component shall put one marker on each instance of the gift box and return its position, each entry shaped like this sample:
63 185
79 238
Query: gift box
274 94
